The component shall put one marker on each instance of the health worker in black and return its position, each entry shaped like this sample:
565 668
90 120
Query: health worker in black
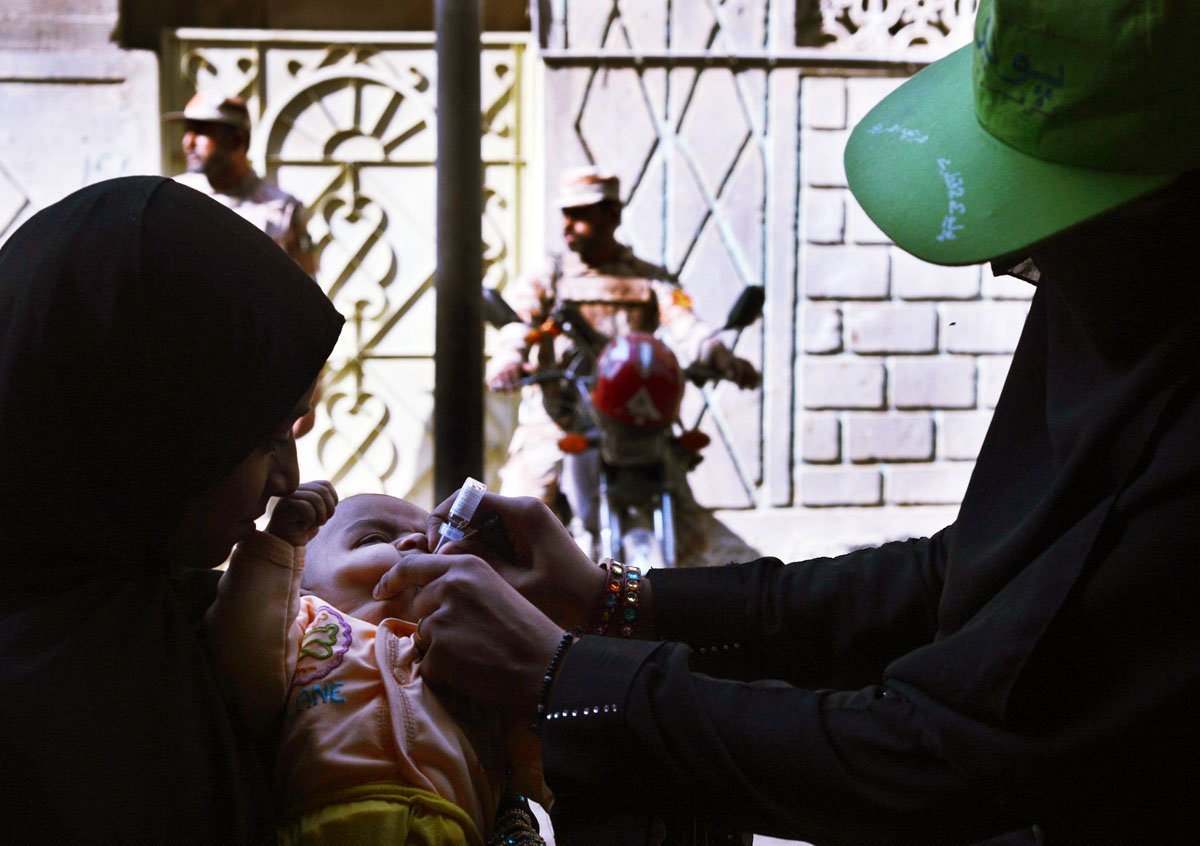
1034 666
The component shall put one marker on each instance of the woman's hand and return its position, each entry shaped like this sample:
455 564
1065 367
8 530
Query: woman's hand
526 544
299 515
476 633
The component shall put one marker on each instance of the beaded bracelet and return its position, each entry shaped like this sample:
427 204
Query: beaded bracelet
620 601
515 825
551 669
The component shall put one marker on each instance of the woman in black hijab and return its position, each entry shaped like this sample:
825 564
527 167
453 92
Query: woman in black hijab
1037 663
156 349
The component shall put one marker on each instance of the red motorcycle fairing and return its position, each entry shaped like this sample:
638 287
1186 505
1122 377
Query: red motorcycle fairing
638 382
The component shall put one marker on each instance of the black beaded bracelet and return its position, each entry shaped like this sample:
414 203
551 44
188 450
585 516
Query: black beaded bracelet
548 679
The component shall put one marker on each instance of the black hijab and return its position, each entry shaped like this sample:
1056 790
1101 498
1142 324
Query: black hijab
1067 659
151 340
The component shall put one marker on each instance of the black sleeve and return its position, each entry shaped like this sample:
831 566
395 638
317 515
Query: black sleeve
829 622
1098 738
631 725
775 757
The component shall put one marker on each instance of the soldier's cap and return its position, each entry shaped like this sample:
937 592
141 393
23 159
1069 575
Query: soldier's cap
587 186
1055 114
211 107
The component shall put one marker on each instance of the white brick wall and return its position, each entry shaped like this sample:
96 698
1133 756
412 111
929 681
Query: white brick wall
843 382
841 486
993 369
982 327
900 362
933 382
1005 287
860 229
822 327
891 328
962 434
824 149
825 216
846 273
889 437
821 438
914 279
825 101
934 484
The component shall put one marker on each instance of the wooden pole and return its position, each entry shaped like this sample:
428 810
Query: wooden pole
458 359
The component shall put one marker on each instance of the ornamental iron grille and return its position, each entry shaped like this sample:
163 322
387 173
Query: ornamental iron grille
347 123
707 159
890 25
697 105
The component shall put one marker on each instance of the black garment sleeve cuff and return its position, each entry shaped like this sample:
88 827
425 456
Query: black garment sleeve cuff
709 609
584 738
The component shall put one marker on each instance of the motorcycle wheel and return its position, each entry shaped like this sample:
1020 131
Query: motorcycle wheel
641 548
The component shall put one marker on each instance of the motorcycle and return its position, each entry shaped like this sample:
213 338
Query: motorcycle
626 453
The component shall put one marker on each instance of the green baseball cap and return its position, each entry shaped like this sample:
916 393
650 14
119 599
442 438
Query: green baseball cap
1058 112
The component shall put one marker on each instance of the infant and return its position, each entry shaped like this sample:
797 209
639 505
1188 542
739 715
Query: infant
366 752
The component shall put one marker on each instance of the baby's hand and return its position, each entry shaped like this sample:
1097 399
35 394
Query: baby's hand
298 515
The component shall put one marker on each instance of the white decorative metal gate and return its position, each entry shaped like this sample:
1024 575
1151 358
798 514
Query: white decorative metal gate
698 105
725 120
347 122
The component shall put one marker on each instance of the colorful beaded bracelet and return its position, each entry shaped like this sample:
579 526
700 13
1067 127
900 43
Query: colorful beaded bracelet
619 605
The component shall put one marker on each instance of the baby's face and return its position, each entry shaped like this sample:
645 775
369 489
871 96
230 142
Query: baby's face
362 540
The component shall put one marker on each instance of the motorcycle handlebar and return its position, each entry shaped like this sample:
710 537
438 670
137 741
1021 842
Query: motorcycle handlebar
696 373
542 377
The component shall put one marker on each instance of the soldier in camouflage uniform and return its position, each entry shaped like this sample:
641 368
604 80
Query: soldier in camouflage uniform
216 137
616 292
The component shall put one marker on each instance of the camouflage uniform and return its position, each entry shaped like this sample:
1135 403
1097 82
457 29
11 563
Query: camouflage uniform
258 200
263 203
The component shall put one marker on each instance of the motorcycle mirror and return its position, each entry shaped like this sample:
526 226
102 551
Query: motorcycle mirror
495 310
747 309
